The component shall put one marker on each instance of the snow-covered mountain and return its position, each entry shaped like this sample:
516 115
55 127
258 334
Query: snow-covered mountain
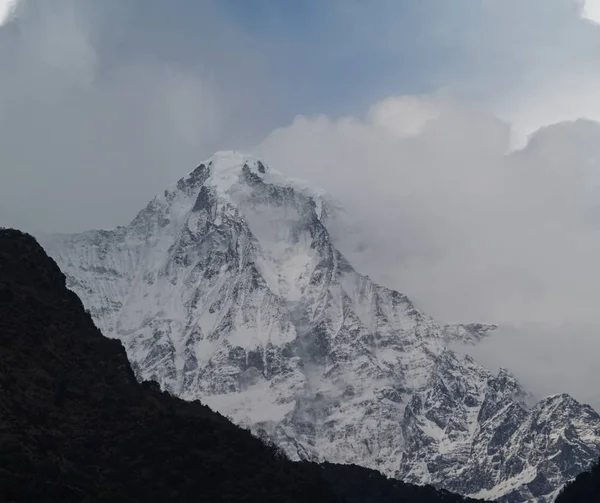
228 287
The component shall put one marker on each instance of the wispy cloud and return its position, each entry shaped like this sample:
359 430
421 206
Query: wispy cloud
7 9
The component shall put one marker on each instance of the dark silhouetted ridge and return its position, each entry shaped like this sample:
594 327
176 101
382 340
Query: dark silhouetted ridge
584 489
76 426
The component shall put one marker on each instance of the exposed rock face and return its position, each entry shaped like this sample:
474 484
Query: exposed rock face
76 426
228 287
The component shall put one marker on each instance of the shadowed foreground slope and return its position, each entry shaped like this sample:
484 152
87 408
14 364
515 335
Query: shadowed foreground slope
584 489
76 426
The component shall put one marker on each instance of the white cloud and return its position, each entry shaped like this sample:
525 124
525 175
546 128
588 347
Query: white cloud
516 232
591 10
468 230
564 98
7 8
404 116
86 139
548 359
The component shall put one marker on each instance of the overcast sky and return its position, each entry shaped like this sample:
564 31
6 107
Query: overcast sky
414 113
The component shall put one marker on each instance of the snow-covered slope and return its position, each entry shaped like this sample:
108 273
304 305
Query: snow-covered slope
227 287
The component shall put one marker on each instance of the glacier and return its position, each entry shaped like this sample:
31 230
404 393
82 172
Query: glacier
229 288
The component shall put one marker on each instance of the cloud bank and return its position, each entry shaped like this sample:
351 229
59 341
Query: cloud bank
468 228
411 125
92 123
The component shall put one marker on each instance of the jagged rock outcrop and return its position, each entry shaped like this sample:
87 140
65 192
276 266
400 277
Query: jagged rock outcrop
228 287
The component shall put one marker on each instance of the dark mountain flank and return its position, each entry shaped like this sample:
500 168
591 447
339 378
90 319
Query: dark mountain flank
584 489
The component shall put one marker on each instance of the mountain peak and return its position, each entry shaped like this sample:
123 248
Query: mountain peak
227 168
228 173
222 158
229 288
232 161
